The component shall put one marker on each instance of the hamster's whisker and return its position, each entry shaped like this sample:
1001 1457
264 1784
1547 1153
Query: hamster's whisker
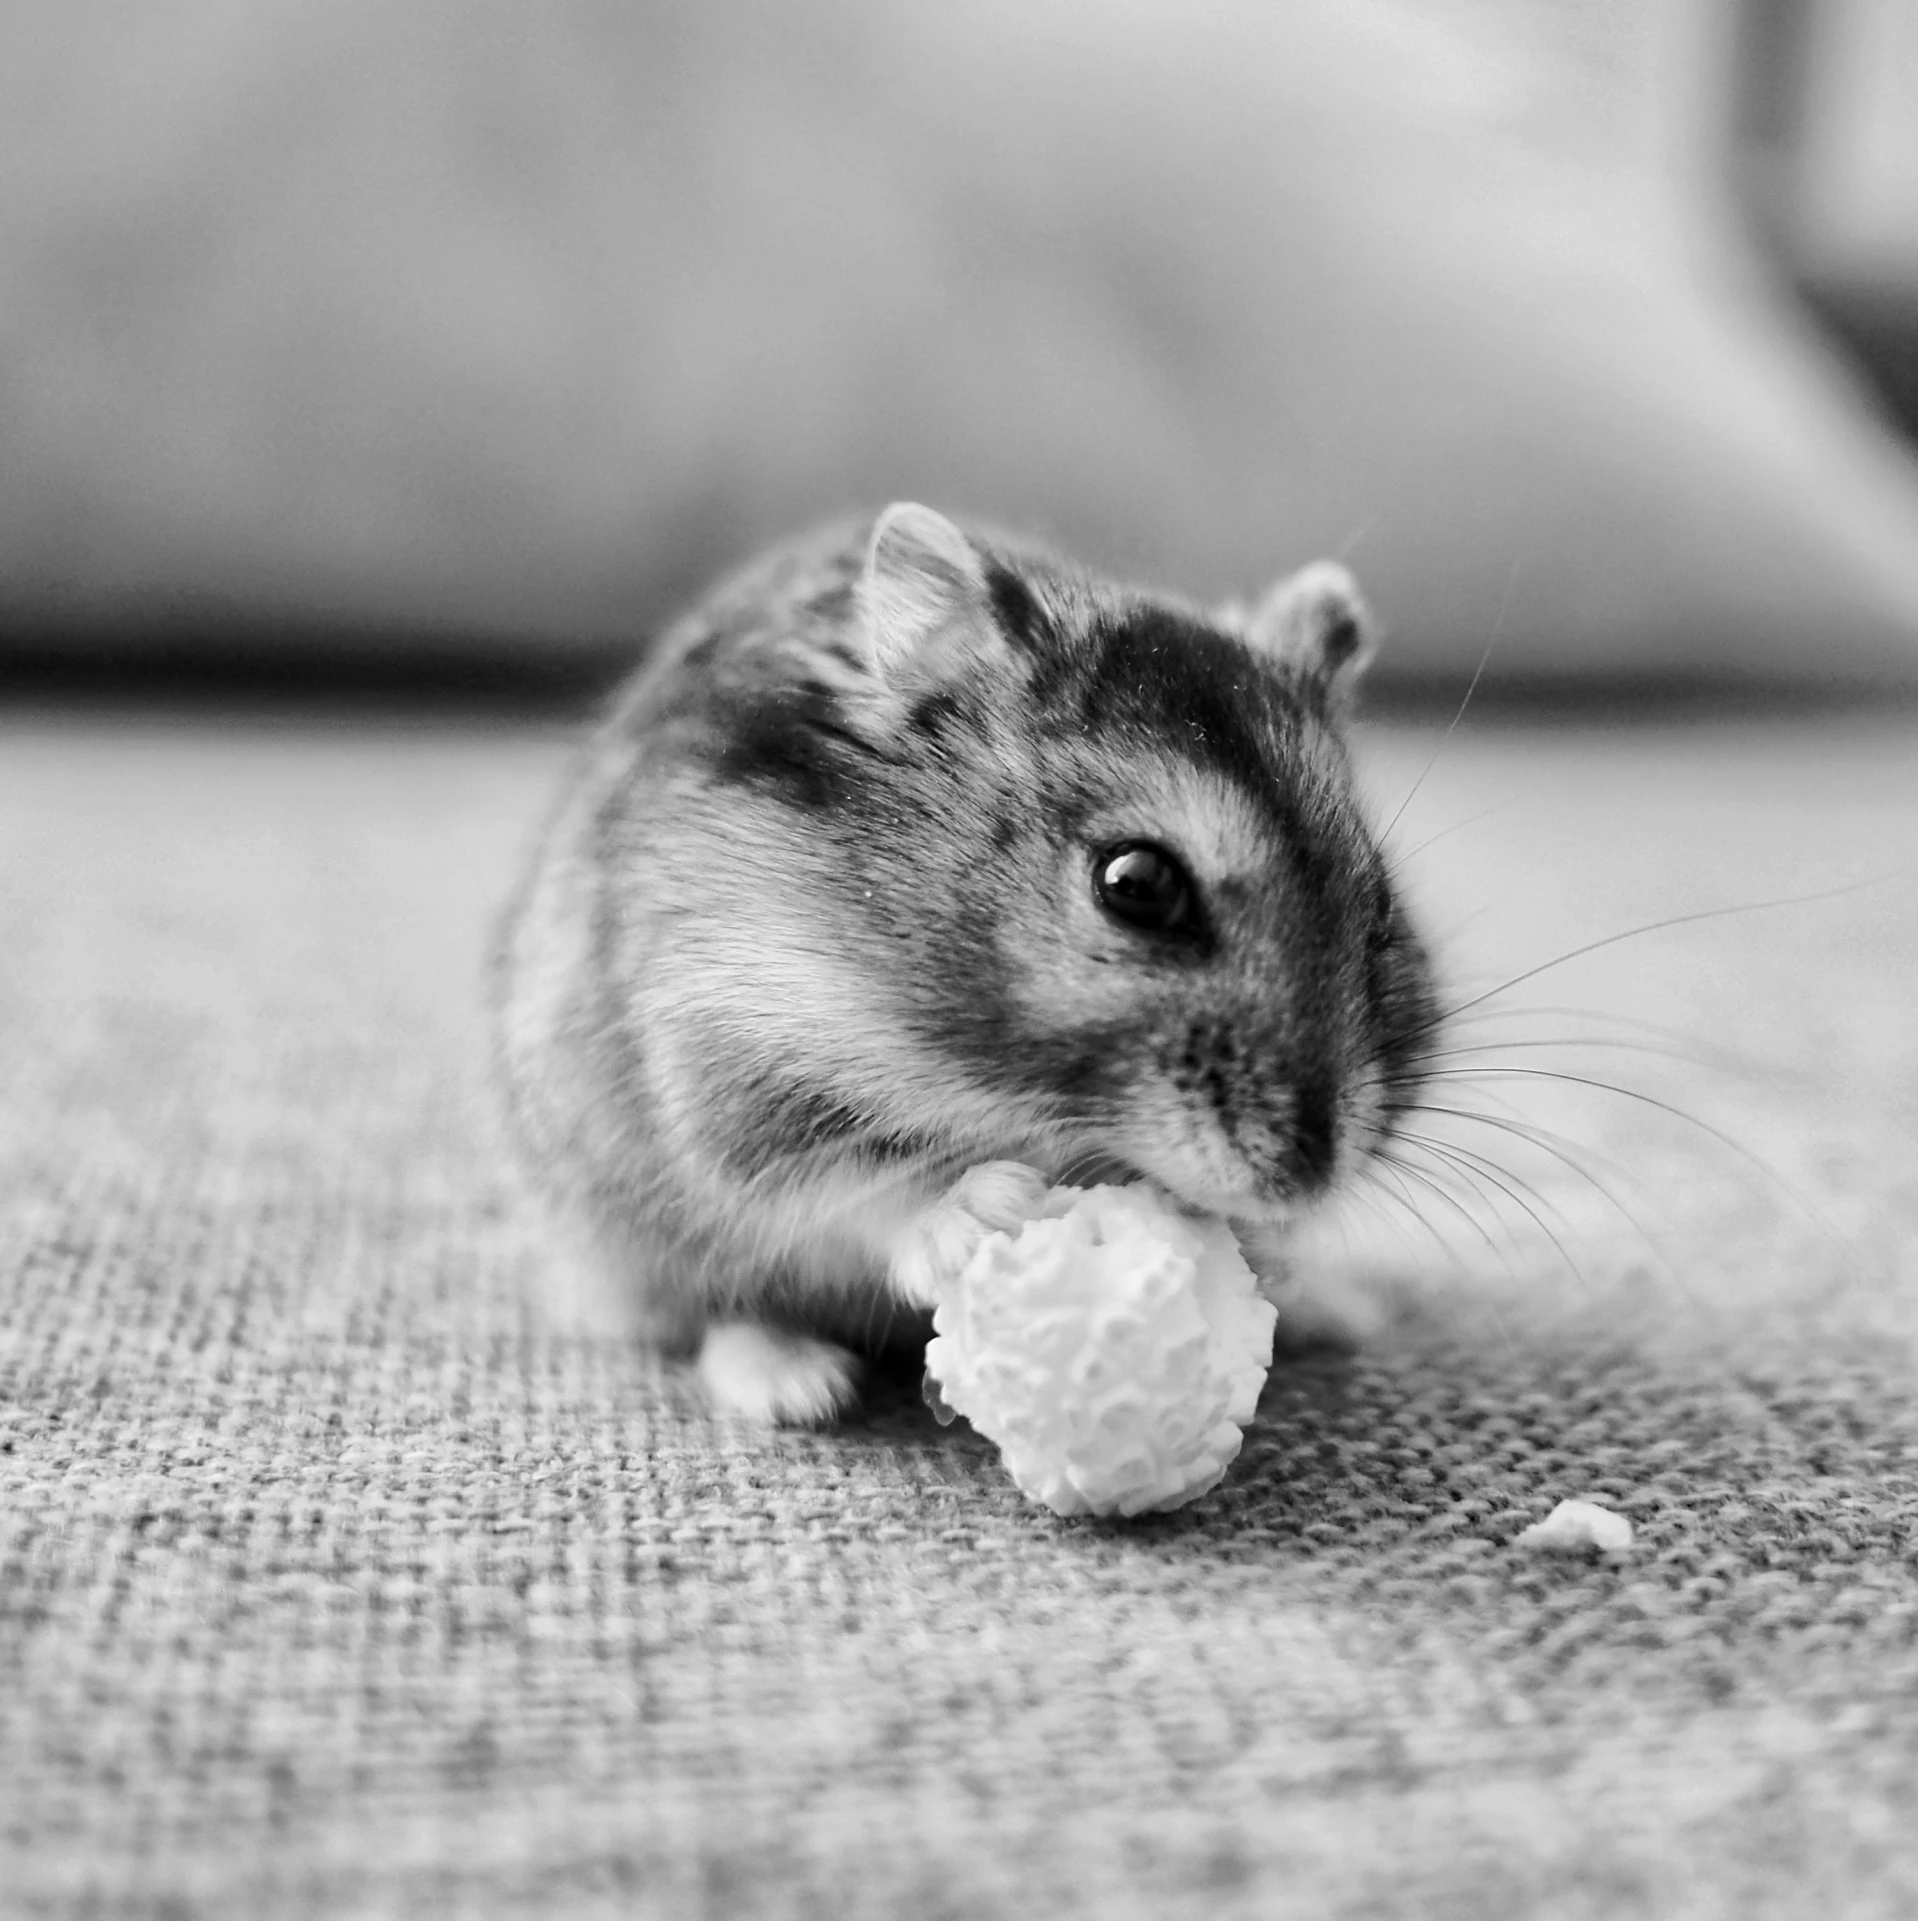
872 1315
1635 933
1610 1044
1674 1042
1409 1171
1375 1172
1561 1148
1475 1180
1375 1198
1492 1170
1558 1012
1349 545
879 1297
1729 1142
1398 862
1505 601
1080 1159
1508 1184
1369 1186
1070 1171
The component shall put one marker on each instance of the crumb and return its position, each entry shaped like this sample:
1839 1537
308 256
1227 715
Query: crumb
1574 1527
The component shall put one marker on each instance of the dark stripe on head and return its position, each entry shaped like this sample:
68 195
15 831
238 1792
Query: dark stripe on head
1014 607
940 713
1168 677
789 742
1155 675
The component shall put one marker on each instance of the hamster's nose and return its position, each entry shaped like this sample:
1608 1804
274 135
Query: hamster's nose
1315 1129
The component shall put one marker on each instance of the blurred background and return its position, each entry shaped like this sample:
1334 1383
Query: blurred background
454 342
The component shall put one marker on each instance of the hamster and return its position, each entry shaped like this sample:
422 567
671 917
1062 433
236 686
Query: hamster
914 848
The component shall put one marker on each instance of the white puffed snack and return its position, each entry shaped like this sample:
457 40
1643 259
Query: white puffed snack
1112 1347
1576 1527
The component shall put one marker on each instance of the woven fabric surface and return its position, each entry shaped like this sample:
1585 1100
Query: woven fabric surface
353 1563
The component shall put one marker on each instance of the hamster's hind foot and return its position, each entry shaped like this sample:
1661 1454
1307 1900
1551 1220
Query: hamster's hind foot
764 1374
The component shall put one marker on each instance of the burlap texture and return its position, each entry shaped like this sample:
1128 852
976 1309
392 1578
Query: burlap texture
352 1564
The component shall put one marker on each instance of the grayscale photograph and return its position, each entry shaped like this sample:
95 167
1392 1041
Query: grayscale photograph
959 960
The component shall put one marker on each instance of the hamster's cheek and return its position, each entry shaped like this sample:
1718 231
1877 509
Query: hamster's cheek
1067 966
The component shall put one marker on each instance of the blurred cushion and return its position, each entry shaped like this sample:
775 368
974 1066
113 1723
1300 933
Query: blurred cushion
459 320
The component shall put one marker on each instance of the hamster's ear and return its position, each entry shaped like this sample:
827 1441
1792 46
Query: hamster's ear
1316 623
925 603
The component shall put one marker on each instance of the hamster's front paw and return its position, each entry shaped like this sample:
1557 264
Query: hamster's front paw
993 1198
765 1374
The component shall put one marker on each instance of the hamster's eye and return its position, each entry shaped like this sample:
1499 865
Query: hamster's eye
1144 886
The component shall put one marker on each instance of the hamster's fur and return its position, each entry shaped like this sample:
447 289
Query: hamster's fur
845 898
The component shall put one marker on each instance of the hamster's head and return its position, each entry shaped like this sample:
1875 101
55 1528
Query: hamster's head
1119 904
